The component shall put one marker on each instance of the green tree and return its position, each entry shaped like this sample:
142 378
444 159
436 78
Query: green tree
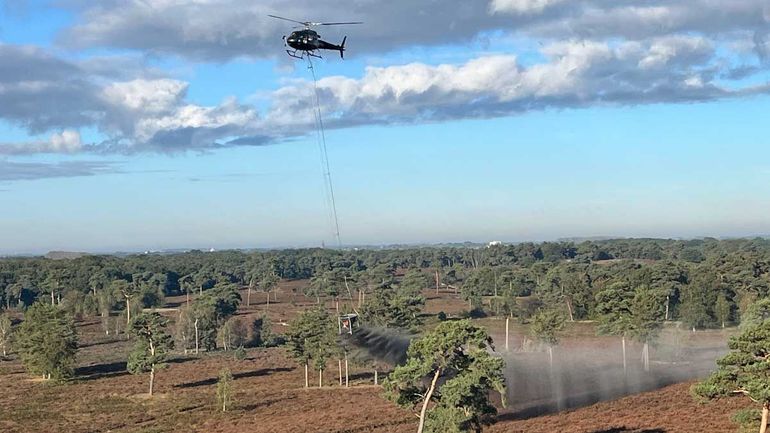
613 309
5 333
153 343
647 312
723 309
546 326
261 333
459 353
697 300
225 389
268 283
393 308
756 313
414 282
129 292
211 310
312 336
744 371
47 342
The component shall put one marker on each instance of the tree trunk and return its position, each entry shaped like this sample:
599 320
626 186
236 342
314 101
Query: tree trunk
507 320
248 297
196 336
187 296
152 367
347 376
765 415
339 366
646 356
350 293
268 301
320 378
424 409
152 378
376 378
307 384
128 313
569 309
668 298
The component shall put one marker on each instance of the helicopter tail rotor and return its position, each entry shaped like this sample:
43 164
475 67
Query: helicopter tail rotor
342 48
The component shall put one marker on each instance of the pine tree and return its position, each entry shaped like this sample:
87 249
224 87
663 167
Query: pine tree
312 336
47 342
153 343
647 313
613 307
456 359
546 326
744 371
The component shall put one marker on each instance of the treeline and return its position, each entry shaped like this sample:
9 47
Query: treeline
704 282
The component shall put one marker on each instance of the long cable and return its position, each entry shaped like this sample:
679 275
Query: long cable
325 166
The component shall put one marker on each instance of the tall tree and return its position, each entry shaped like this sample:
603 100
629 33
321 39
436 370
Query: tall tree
613 308
546 326
211 310
456 359
389 307
268 283
153 342
312 336
47 342
647 315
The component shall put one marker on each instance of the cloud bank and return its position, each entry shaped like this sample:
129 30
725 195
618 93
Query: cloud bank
591 53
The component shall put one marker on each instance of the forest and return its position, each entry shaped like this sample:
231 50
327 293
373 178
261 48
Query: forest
703 283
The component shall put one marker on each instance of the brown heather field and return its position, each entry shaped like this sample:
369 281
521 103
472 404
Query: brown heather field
270 397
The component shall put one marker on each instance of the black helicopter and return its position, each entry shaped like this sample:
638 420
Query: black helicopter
307 40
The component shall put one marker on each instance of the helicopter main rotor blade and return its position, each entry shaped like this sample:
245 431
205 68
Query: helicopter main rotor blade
337 24
304 23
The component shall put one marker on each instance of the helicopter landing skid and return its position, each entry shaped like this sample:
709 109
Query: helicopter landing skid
302 54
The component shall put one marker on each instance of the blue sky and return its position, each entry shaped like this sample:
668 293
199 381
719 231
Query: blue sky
507 129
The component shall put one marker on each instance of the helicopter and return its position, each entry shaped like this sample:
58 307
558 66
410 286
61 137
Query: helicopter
306 41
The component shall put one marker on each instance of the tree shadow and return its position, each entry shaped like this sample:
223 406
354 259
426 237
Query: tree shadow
628 430
264 403
99 371
113 369
100 343
377 426
236 376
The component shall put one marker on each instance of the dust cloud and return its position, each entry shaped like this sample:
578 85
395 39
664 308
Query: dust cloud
583 372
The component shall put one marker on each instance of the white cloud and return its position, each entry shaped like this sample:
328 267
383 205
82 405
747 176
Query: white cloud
67 141
523 6
147 96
